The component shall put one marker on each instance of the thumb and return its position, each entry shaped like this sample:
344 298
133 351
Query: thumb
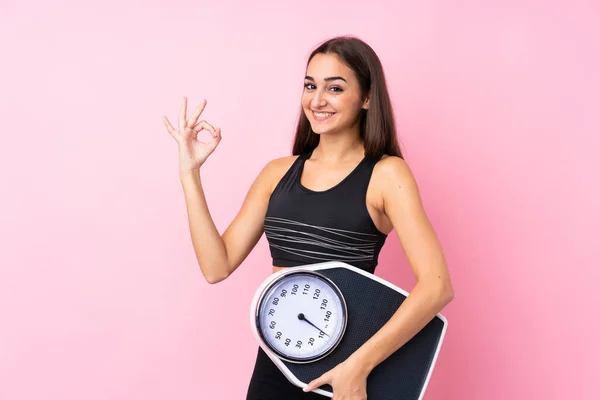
315 383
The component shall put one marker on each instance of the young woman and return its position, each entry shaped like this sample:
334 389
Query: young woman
344 189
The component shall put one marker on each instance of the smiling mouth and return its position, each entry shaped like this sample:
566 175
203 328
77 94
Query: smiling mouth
321 116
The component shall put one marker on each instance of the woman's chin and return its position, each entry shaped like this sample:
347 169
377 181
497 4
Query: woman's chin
320 129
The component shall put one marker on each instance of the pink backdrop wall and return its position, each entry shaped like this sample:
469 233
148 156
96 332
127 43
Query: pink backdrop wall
100 295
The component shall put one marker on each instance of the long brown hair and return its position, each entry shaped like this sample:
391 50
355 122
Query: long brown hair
377 124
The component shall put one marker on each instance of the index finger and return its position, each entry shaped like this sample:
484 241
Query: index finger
196 114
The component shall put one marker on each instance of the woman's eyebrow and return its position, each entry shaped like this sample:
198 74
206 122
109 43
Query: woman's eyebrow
331 78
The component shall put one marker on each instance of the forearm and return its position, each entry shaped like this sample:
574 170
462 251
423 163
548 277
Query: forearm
208 245
418 309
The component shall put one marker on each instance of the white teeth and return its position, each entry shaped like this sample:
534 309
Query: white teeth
323 115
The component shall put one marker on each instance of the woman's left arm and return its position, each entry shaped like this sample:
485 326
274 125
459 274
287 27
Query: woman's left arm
433 291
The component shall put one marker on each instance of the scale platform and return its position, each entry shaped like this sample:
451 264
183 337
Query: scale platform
371 301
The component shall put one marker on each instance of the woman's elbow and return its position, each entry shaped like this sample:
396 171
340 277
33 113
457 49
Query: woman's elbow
446 293
212 280
441 291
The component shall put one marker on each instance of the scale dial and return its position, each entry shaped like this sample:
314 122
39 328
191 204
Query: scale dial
301 316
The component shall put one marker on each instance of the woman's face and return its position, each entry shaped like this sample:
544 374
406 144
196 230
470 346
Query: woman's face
332 98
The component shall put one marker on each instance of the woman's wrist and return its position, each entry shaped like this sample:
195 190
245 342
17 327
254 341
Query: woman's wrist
189 174
360 361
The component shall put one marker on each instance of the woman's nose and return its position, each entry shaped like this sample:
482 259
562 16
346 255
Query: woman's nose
318 99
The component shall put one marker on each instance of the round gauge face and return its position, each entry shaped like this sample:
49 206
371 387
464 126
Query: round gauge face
302 316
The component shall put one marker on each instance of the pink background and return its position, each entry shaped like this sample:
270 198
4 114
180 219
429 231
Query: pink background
100 294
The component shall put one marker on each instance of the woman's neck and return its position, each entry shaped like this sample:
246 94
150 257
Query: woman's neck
336 149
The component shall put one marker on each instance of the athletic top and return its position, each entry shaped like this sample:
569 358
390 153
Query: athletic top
304 226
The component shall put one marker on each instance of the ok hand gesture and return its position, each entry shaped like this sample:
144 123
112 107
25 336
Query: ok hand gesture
192 152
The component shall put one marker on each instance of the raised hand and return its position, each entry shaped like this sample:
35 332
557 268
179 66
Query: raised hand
192 152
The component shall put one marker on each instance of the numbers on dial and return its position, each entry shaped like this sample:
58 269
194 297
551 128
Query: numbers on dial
302 317
306 289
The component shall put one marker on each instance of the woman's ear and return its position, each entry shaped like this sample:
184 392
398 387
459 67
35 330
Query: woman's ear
366 103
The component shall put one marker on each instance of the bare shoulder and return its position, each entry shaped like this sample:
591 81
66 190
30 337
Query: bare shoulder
394 168
282 162
276 169
392 173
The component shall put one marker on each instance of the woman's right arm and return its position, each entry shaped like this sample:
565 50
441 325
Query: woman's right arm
219 255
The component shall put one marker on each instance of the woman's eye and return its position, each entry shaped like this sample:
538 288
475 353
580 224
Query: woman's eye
311 86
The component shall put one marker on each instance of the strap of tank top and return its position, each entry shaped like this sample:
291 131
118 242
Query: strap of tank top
366 171
298 165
